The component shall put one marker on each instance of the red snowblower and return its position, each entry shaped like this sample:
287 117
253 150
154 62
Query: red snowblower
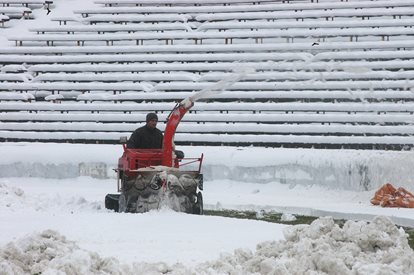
152 178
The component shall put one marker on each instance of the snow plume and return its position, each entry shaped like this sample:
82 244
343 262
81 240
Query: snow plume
220 86
322 247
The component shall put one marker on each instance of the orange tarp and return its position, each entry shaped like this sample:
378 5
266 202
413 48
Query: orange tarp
388 196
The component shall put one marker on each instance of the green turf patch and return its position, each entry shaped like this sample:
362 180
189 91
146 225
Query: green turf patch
410 232
270 216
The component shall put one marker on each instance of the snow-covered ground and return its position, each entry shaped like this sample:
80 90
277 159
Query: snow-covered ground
53 216
52 219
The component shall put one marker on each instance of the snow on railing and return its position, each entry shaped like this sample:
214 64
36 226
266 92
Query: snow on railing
138 18
16 96
116 28
177 35
284 117
243 8
59 86
312 90
221 139
291 85
15 77
220 107
293 76
275 15
356 66
218 128
211 48
25 2
253 95
168 57
178 2
118 76
283 24
18 9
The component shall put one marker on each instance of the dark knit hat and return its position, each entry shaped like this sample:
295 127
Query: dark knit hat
151 116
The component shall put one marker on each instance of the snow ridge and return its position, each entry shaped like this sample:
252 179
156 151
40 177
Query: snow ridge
15 199
49 252
319 248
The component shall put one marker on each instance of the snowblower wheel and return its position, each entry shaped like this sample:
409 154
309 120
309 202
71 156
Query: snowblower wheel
122 203
198 206
111 202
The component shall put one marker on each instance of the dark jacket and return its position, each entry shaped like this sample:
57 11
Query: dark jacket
145 138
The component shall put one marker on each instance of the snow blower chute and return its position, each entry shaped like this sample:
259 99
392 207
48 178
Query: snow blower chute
152 178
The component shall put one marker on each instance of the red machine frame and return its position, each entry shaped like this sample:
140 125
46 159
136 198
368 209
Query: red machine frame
134 159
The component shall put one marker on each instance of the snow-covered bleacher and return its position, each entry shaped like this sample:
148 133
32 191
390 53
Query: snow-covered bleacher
20 9
327 73
141 38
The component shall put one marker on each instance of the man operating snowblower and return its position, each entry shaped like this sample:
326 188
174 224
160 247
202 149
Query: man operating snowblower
147 136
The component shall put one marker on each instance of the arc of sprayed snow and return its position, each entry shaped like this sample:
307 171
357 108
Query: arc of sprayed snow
218 87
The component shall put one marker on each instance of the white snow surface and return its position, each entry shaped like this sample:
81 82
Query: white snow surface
56 223
53 221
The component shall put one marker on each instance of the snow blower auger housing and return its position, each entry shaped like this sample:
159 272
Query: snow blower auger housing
152 178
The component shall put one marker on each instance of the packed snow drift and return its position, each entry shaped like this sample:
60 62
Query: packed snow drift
56 222
322 247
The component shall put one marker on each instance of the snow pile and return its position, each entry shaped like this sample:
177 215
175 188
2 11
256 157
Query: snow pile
11 196
66 204
50 253
15 199
287 217
323 247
